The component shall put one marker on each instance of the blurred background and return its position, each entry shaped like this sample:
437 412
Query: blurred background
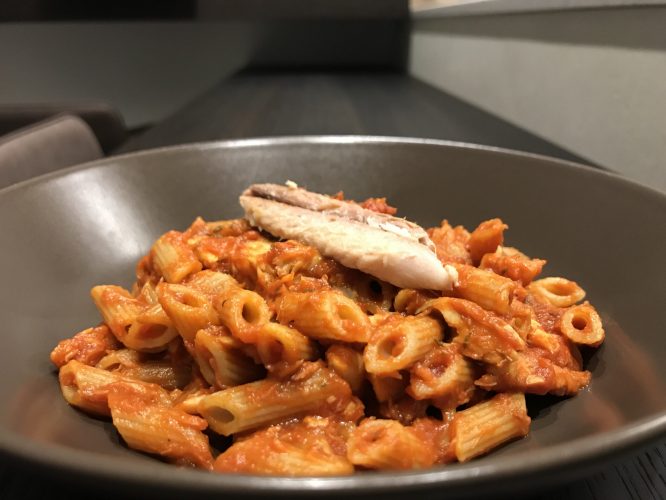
583 79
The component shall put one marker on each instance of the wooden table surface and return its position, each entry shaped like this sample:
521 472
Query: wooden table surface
270 104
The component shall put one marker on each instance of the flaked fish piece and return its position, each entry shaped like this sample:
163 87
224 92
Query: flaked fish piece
389 248
298 197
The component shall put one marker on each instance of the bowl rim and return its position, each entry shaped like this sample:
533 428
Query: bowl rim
341 139
475 475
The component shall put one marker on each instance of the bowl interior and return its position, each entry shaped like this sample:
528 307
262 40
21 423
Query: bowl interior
64 233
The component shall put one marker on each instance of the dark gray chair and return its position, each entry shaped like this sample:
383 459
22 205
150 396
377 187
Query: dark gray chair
44 147
104 120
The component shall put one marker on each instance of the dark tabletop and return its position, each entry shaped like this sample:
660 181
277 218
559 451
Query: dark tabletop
275 104
295 103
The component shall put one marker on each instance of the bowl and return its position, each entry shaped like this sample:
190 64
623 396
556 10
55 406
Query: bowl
68 231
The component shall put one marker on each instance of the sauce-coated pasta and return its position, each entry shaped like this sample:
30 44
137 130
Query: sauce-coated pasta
311 368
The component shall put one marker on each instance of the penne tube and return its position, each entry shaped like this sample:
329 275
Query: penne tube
486 238
405 410
348 364
188 309
173 258
88 346
277 343
387 388
451 243
117 307
374 296
132 364
489 290
314 446
324 315
87 387
242 312
211 283
272 350
532 372
190 404
222 360
538 337
520 317
558 292
408 301
582 325
242 256
386 444
444 374
267 401
149 426
154 314
484 426
512 263
127 319
399 342
482 335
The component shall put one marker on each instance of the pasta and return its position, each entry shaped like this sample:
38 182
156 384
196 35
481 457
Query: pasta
311 368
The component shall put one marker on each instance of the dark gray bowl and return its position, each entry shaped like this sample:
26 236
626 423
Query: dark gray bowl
64 233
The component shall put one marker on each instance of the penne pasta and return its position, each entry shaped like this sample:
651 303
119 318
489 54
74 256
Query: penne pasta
399 342
386 444
188 309
125 316
512 263
277 343
582 325
88 346
87 387
390 388
451 243
211 283
134 365
486 238
348 364
489 290
444 375
147 425
260 403
482 335
222 359
173 258
242 312
487 425
324 315
408 301
558 292
314 446
311 368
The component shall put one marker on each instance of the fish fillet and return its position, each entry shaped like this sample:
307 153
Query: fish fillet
386 247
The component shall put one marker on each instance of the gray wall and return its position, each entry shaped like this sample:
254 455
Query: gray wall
146 70
593 82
